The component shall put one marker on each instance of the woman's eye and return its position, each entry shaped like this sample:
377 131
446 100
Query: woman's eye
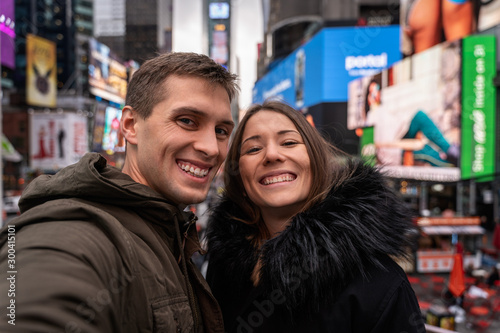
290 143
252 150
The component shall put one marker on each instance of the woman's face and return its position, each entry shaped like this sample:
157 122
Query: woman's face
274 163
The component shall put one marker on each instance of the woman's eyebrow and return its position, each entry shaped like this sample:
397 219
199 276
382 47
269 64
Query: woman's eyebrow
288 131
255 137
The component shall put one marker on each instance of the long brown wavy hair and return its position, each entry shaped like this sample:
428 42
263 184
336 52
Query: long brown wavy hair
326 161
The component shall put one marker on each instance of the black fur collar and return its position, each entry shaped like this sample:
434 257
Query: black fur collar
324 247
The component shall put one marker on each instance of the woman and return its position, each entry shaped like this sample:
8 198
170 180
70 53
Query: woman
302 237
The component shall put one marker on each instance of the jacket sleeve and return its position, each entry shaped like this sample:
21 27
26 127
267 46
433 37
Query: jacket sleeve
66 277
401 312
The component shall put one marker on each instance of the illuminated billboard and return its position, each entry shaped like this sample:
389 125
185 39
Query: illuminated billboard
479 102
107 137
219 32
7 33
219 50
107 75
488 14
41 71
320 70
98 132
57 140
409 115
218 10
431 116
112 139
428 23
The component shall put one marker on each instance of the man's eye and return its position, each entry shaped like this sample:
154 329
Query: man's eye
186 121
221 131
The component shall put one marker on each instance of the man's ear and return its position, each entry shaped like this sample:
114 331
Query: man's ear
128 124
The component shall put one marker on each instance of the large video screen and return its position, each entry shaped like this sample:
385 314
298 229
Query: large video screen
107 74
218 10
320 70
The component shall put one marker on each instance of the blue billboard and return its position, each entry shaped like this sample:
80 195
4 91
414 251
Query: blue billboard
320 70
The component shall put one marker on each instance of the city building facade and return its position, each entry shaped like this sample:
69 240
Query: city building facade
49 80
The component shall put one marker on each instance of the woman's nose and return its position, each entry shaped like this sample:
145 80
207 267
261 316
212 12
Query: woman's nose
273 154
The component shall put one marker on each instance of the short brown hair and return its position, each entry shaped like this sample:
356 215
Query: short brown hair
144 90
324 158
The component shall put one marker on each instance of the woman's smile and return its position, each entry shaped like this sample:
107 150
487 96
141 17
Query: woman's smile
281 178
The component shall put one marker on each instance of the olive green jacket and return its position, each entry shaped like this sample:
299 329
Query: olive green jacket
94 251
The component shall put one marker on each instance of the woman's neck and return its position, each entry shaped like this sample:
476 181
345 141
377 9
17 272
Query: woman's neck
275 221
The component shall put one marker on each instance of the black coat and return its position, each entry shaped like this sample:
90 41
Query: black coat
329 271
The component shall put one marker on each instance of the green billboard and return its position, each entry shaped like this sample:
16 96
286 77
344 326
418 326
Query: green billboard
478 108
367 146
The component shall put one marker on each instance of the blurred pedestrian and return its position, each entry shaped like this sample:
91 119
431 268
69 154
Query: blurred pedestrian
493 276
304 236
103 250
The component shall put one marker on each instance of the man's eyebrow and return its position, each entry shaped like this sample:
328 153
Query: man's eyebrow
228 122
257 137
199 113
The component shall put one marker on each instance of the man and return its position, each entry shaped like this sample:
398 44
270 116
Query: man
97 249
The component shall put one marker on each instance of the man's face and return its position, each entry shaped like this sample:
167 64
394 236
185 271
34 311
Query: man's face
184 141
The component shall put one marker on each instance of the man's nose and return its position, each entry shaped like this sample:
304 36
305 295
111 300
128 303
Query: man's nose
207 143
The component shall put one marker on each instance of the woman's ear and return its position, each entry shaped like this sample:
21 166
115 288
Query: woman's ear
128 124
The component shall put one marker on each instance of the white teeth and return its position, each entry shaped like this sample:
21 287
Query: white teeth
197 172
279 179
